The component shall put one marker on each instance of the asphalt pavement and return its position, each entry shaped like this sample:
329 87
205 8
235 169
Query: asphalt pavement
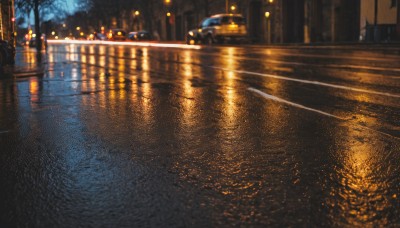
123 134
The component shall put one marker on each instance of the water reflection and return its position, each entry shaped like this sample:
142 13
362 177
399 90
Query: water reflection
34 89
363 195
190 100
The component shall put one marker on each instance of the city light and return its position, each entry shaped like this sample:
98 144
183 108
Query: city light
114 43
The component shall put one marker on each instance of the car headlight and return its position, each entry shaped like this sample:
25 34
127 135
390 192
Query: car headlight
191 33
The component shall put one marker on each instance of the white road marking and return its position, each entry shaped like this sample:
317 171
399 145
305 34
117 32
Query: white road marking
4 132
310 82
274 98
271 97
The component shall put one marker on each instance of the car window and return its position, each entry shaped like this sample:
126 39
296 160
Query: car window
206 23
232 19
214 21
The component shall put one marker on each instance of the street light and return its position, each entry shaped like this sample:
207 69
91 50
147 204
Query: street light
268 16
233 8
136 19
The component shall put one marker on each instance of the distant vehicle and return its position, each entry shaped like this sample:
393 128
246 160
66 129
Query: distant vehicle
139 35
96 36
218 29
100 36
32 41
116 34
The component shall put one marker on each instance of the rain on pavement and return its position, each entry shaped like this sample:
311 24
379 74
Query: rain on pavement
124 136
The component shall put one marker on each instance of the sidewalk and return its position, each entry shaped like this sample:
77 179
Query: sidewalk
25 65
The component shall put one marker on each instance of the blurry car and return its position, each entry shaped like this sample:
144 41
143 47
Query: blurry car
140 35
218 29
116 34
32 41
100 36
96 36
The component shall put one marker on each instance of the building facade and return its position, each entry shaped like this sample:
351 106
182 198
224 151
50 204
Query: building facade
288 21
6 22
7 32
380 20
274 21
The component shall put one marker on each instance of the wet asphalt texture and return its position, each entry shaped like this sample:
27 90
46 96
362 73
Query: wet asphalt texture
220 136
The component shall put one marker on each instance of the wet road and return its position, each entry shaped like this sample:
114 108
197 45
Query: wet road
128 136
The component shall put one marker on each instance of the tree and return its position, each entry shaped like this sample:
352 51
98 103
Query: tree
35 5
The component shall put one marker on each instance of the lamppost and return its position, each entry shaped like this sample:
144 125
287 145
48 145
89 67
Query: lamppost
136 15
376 32
233 8
267 16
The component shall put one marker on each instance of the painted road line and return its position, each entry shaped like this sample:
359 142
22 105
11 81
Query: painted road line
271 97
310 82
277 99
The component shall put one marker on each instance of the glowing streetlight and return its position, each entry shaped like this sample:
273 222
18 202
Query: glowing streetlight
267 16
168 14
137 13
78 28
233 8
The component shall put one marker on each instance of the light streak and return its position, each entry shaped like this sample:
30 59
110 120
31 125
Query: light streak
115 43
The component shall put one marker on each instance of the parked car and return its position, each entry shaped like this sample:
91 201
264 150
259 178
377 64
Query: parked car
96 36
100 36
139 35
116 34
218 29
32 41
